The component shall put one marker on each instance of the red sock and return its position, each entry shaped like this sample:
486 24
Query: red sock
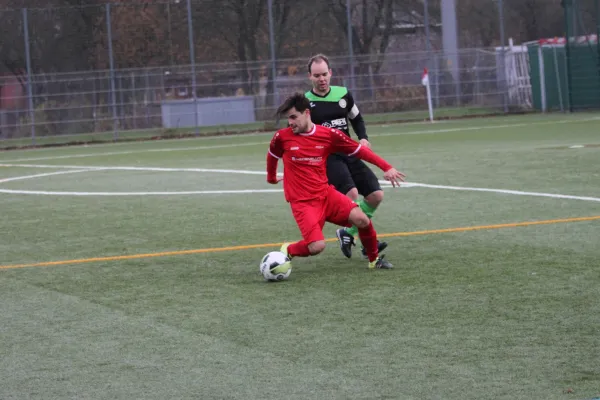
299 249
368 237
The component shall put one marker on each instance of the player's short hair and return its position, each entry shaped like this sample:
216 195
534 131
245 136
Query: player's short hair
297 100
318 58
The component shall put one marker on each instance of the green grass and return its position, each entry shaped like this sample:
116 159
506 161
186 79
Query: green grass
506 313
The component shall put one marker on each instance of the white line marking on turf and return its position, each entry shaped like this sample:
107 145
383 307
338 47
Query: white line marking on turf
80 168
427 131
126 168
116 153
503 191
52 193
482 127
20 178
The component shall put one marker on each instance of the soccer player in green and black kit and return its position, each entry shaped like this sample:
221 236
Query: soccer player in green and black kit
333 106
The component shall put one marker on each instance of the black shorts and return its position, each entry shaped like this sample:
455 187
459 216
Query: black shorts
346 173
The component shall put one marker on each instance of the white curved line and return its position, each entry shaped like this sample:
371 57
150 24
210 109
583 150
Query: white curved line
127 168
53 193
118 153
21 178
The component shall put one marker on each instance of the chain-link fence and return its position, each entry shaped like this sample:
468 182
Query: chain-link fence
75 103
127 69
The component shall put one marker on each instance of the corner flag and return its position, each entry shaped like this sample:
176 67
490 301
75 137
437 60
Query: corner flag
425 77
425 82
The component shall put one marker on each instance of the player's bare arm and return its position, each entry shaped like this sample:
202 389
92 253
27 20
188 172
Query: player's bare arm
394 176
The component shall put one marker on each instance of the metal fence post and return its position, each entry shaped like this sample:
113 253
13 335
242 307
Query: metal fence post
169 30
134 101
569 32
477 77
29 75
450 45
272 49
436 62
121 107
426 23
542 78
558 82
566 78
598 31
113 94
503 55
428 39
95 103
147 98
350 46
193 63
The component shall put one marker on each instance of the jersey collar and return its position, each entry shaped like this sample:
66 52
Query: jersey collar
312 131
321 96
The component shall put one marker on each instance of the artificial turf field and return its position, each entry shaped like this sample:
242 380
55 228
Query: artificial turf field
130 271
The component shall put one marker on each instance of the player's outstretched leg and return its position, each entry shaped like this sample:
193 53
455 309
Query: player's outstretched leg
298 249
302 248
368 237
346 236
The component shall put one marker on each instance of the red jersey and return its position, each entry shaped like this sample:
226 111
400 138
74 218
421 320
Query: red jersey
305 159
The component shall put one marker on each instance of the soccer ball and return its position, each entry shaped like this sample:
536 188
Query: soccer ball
275 266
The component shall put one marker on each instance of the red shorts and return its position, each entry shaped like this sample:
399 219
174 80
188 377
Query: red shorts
311 215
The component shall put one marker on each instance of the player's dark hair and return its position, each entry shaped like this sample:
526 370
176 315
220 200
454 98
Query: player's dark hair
297 100
318 58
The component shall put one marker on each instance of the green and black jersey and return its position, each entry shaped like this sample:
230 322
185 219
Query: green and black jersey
335 109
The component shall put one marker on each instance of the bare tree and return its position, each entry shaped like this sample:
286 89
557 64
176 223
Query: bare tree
533 19
61 38
371 23
243 26
525 20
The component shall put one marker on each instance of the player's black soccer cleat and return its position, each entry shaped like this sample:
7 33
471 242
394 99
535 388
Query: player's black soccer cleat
380 263
346 242
381 246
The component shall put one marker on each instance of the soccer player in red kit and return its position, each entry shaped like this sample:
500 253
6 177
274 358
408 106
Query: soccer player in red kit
304 148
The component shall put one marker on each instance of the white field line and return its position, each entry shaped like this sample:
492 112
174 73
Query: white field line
53 193
117 153
21 178
125 168
503 191
72 170
420 132
100 168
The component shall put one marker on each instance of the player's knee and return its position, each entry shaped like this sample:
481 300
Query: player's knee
359 218
352 194
375 198
316 247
